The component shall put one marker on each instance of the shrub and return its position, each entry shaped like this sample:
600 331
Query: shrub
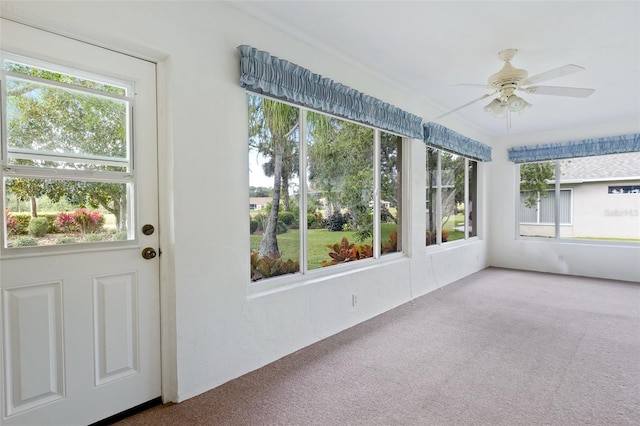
262 220
271 266
120 236
88 221
93 238
392 245
51 218
253 226
311 220
364 229
23 219
431 237
346 252
65 240
38 226
80 220
286 217
335 222
65 223
281 228
13 225
24 242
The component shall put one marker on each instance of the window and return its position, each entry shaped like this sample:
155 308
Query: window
330 213
581 198
542 210
67 171
451 191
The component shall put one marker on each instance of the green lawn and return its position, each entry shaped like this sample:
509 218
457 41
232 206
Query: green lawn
318 239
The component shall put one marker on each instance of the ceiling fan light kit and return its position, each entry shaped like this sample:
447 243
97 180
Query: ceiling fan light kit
510 79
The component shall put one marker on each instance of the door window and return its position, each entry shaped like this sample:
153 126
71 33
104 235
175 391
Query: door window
67 157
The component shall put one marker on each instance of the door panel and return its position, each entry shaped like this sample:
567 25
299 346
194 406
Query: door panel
80 322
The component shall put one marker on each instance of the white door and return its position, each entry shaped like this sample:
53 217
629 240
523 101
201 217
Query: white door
80 305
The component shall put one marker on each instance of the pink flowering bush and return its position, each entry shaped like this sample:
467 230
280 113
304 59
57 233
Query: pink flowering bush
64 221
80 220
13 225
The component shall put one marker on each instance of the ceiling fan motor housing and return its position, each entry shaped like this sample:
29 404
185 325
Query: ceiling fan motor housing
506 80
507 75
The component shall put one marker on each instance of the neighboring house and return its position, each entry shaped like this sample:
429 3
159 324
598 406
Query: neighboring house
259 203
599 198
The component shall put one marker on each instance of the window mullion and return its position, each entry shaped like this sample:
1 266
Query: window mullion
3 119
466 198
376 194
557 194
302 142
439 199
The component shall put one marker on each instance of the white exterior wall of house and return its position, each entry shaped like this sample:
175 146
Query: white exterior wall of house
213 329
598 214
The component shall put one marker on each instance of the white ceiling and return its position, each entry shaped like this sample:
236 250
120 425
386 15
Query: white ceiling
429 46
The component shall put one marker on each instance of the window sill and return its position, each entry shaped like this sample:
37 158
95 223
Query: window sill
287 282
452 244
582 242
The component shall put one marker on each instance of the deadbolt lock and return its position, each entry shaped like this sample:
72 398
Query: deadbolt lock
148 253
148 229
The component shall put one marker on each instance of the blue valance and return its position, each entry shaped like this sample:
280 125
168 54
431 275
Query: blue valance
573 149
441 137
262 73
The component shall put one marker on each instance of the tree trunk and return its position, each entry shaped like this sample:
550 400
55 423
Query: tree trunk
285 193
34 207
120 213
269 242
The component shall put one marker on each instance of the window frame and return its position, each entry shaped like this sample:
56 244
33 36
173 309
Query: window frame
466 198
306 275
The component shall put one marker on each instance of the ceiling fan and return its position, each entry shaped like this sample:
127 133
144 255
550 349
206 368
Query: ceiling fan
509 80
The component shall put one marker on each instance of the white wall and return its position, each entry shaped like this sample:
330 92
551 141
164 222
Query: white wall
595 259
213 329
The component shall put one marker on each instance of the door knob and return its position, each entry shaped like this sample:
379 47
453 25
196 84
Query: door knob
148 253
148 229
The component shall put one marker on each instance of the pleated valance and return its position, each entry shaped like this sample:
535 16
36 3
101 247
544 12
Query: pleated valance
263 73
441 137
573 149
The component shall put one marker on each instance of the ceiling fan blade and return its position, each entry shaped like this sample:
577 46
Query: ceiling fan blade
465 105
554 73
574 92
481 86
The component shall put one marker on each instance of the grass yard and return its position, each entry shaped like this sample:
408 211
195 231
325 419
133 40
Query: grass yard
318 239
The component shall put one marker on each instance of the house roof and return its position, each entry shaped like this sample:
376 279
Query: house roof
607 167
260 200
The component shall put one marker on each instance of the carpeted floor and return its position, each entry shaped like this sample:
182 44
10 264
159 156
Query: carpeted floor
499 347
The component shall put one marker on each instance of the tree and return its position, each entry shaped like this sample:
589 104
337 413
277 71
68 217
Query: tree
272 127
452 178
341 166
534 181
26 189
259 191
390 189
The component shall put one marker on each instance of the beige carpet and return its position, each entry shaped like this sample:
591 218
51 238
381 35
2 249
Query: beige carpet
499 347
